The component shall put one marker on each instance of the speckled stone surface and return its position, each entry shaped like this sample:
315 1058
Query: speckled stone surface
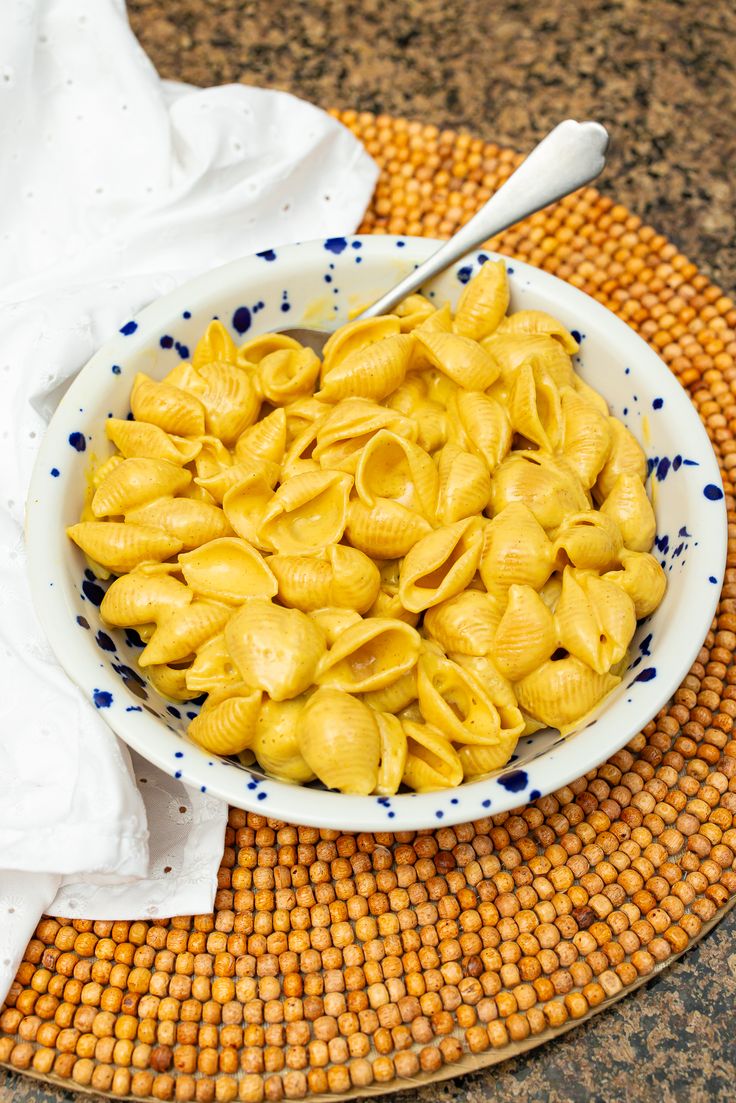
661 75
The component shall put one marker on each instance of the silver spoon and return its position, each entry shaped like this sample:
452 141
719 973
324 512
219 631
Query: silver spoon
571 155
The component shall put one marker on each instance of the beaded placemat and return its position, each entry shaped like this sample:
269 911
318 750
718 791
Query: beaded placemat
352 964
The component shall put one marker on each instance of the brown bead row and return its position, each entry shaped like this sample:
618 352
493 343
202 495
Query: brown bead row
336 961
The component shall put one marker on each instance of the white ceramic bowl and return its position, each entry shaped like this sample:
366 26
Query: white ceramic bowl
322 282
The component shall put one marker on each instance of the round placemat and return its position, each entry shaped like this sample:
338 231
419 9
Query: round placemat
353 964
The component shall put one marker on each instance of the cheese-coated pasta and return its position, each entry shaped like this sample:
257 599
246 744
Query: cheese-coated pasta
340 576
275 649
369 655
168 407
393 468
538 321
466 623
464 484
628 506
483 301
276 740
526 635
431 760
227 726
137 481
460 359
373 371
120 547
561 692
384 568
643 580
228 570
340 741
150 442
306 513
441 564
385 530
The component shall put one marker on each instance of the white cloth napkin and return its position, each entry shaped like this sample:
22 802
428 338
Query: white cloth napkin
115 187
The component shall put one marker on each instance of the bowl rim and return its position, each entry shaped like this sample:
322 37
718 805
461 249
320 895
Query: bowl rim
177 756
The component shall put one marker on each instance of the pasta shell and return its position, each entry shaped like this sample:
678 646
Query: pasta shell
510 350
172 409
345 578
276 742
170 681
306 513
414 310
395 469
228 570
629 508
302 413
183 631
452 701
149 442
212 459
516 550
119 547
483 301
586 437
340 740
252 352
230 400
542 482
212 670
137 481
561 693
642 579
464 484
288 374
396 696
241 475
245 504
355 336
595 619
192 522
388 604
409 395
526 636
439 387
590 540
100 473
183 376
215 346
393 754
141 597
298 459
477 761
465 623
485 426
351 425
266 440
440 319
431 760
227 726
369 655
462 360
371 372
538 321
534 406
498 688
625 458
589 396
275 649
333 621
441 564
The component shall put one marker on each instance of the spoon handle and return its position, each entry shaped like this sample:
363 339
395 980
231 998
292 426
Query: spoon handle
571 155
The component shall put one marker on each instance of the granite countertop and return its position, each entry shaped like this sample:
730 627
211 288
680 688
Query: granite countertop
662 77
